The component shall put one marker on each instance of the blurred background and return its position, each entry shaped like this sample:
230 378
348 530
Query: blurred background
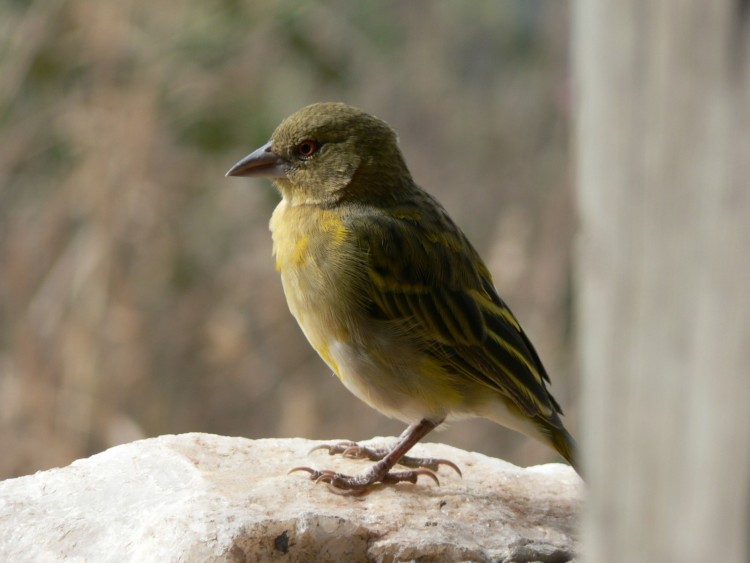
138 294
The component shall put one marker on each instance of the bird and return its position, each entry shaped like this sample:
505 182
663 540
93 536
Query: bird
392 295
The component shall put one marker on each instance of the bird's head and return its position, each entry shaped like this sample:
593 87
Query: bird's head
326 153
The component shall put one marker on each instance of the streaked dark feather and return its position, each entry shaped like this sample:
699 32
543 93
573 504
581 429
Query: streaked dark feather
425 273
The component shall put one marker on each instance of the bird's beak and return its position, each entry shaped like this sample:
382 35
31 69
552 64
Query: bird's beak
261 163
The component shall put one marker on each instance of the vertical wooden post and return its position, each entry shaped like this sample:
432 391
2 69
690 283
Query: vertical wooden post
663 95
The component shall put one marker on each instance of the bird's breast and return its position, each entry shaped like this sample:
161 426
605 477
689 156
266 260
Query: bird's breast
321 272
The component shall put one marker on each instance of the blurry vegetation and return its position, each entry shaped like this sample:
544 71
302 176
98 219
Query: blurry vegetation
137 290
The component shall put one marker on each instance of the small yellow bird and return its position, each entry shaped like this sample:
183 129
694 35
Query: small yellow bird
391 294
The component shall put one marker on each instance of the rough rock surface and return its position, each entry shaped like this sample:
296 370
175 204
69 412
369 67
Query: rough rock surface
200 497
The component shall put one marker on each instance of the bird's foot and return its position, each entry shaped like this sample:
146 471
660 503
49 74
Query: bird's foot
355 451
360 484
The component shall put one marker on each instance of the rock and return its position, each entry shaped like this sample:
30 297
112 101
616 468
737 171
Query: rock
200 497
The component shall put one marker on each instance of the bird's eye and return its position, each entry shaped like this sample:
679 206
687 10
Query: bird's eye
307 148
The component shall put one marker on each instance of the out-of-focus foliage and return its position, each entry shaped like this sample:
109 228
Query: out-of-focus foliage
137 291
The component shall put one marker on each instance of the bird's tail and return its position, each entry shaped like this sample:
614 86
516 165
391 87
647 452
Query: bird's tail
561 440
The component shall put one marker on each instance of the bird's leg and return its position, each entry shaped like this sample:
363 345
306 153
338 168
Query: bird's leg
381 472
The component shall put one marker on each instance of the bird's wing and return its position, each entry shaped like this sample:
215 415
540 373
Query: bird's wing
424 274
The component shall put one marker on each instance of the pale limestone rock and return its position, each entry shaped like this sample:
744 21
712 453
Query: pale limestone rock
200 497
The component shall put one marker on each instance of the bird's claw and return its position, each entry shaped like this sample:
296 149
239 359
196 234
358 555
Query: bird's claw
435 463
348 484
339 448
353 450
409 476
